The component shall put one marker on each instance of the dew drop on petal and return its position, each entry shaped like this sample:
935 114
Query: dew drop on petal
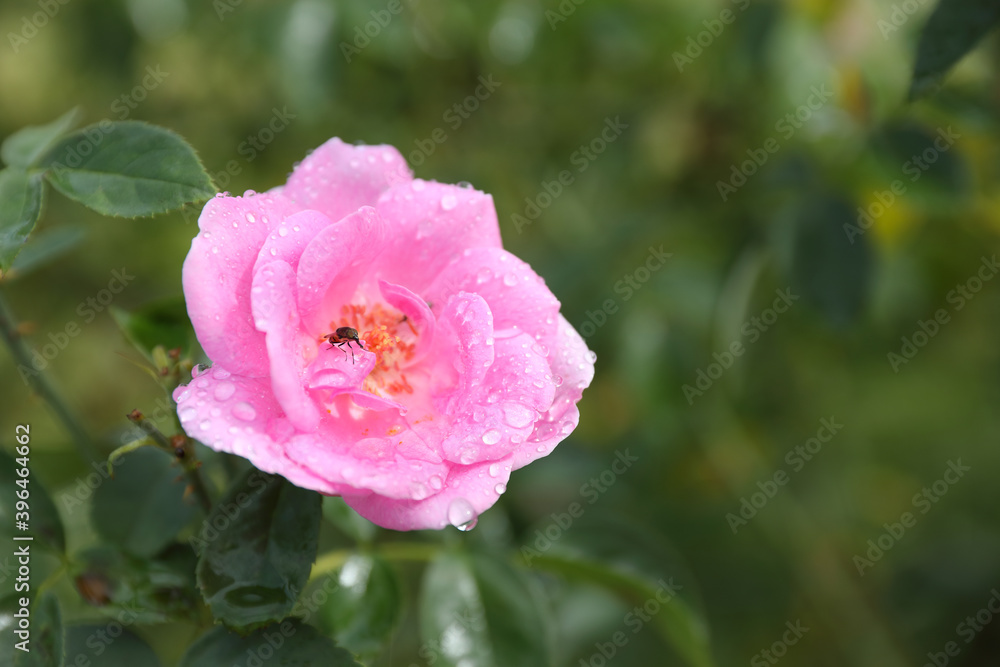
461 514
244 411
500 488
491 437
205 425
510 280
417 186
591 357
435 482
448 202
187 414
483 275
557 380
494 469
224 391
282 231
517 415
183 395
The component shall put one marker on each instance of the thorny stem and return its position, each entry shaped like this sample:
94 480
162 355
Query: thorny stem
40 384
179 446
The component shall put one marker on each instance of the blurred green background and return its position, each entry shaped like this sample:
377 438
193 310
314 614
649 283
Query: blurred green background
227 67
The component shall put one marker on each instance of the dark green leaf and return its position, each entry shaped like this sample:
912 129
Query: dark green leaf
127 169
953 29
25 146
477 611
20 207
144 590
46 635
831 265
92 645
45 247
363 608
347 520
257 548
163 323
291 643
143 507
633 563
44 522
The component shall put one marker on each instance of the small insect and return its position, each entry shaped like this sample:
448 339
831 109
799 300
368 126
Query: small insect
344 336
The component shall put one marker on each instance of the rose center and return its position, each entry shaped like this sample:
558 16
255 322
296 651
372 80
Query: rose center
391 337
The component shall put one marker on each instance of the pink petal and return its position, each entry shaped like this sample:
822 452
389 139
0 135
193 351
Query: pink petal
289 238
464 353
230 413
517 296
338 179
332 267
416 311
218 273
276 315
468 491
573 367
429 224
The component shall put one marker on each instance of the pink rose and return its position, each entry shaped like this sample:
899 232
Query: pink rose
467 371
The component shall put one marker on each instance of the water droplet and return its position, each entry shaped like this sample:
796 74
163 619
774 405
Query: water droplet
274 252
183 395
187 414
516 438
491 437
219 195
591 356
448 202
224 391
435 482
510 280
483 275
283 231
417 185
295 228
461 514
500 488
478 415
244 411
205 425
557 380
518 415
215 250
250 193
494 469
465 185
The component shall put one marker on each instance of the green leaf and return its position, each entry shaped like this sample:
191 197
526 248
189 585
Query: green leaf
632 562
127 169
20 207
953 29
364 607
352 524
143 507
24 147
92 645
45 247
46 635
831 270
478 611
163 323
291 643
148 590
257 548
43 521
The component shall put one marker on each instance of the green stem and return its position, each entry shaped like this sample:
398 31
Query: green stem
40 384
395 551
191 465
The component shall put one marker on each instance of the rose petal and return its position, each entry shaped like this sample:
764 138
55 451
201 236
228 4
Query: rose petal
573 368
429 224
275 314
417 313
467 492
338 179
289 238
330 268
217 276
